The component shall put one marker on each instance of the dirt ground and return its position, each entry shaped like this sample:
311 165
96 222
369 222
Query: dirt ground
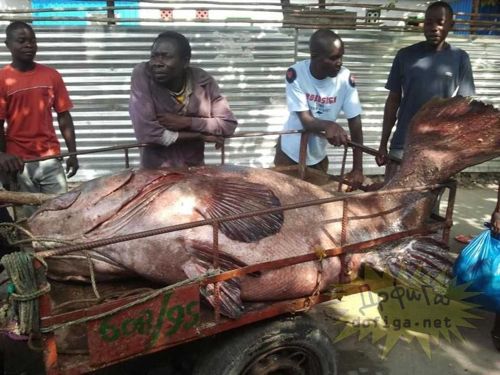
476 199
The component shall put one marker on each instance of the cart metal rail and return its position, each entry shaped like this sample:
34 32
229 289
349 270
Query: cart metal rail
134 326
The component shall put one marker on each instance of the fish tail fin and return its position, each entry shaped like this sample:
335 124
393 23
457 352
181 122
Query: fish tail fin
229 291
414 262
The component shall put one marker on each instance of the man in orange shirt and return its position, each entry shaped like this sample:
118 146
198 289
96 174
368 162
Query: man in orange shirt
28 93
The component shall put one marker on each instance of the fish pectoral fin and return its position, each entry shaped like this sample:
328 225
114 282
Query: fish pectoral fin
413 261
61 202
204 253
229 291
231 196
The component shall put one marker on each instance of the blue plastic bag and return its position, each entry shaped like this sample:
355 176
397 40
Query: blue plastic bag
479 264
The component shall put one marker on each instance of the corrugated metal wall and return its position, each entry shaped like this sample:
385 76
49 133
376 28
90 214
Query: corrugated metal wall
369 56
249 63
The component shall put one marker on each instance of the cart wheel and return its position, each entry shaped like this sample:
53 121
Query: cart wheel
289 346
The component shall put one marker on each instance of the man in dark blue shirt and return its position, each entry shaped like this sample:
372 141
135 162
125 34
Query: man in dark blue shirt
424 70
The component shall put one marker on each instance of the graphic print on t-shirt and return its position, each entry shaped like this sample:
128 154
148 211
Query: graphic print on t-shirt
320 104
324 99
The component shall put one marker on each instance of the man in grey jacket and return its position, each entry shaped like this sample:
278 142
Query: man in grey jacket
175 107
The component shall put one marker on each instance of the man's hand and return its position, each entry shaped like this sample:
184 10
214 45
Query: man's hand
217 139
495 222
174 122
355 179
336 135
10 163
72 166
383 157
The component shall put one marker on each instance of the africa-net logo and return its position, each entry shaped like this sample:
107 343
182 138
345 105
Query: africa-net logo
390 310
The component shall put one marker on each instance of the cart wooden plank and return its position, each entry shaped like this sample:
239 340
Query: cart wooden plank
170 317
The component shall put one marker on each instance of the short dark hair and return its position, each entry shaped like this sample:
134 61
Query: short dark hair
181 40
441 4
321 40
16 25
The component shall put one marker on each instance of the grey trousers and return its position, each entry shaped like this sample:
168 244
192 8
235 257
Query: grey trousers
45 176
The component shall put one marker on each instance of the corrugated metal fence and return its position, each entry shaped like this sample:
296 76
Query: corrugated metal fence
249 63
369 56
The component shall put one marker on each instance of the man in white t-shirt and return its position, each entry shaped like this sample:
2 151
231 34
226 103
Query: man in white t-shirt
316 91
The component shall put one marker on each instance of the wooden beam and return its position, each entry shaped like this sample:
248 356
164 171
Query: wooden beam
16 197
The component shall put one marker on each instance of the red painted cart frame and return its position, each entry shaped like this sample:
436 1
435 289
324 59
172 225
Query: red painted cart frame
131 327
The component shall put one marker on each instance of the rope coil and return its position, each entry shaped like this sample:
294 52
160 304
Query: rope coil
31 296
24 299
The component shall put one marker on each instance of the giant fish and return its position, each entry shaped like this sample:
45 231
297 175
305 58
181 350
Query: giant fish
445 137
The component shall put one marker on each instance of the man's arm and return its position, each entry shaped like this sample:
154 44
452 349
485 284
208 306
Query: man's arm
221 121
390 112
334 133
466 85
68 132
8 163
142 111
210 138
3 146
296 99
357 136
495 217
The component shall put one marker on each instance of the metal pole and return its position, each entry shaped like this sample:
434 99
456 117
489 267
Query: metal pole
342 169
303 155
111 12
127 161
449 211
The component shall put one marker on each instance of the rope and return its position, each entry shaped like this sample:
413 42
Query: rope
92 276
87 302
9 232
29 296
24 298
321 254
20 269
136 302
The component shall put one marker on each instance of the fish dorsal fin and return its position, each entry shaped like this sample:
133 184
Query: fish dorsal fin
232 196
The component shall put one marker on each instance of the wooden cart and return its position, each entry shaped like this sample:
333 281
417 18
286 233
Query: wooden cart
265 339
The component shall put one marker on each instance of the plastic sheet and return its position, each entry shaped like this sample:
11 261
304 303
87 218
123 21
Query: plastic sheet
479 265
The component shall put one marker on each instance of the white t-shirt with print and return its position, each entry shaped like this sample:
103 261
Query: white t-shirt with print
324 98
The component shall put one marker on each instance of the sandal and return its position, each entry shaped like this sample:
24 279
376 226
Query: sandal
463 239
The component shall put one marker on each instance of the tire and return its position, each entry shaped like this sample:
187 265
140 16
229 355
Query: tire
289 346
